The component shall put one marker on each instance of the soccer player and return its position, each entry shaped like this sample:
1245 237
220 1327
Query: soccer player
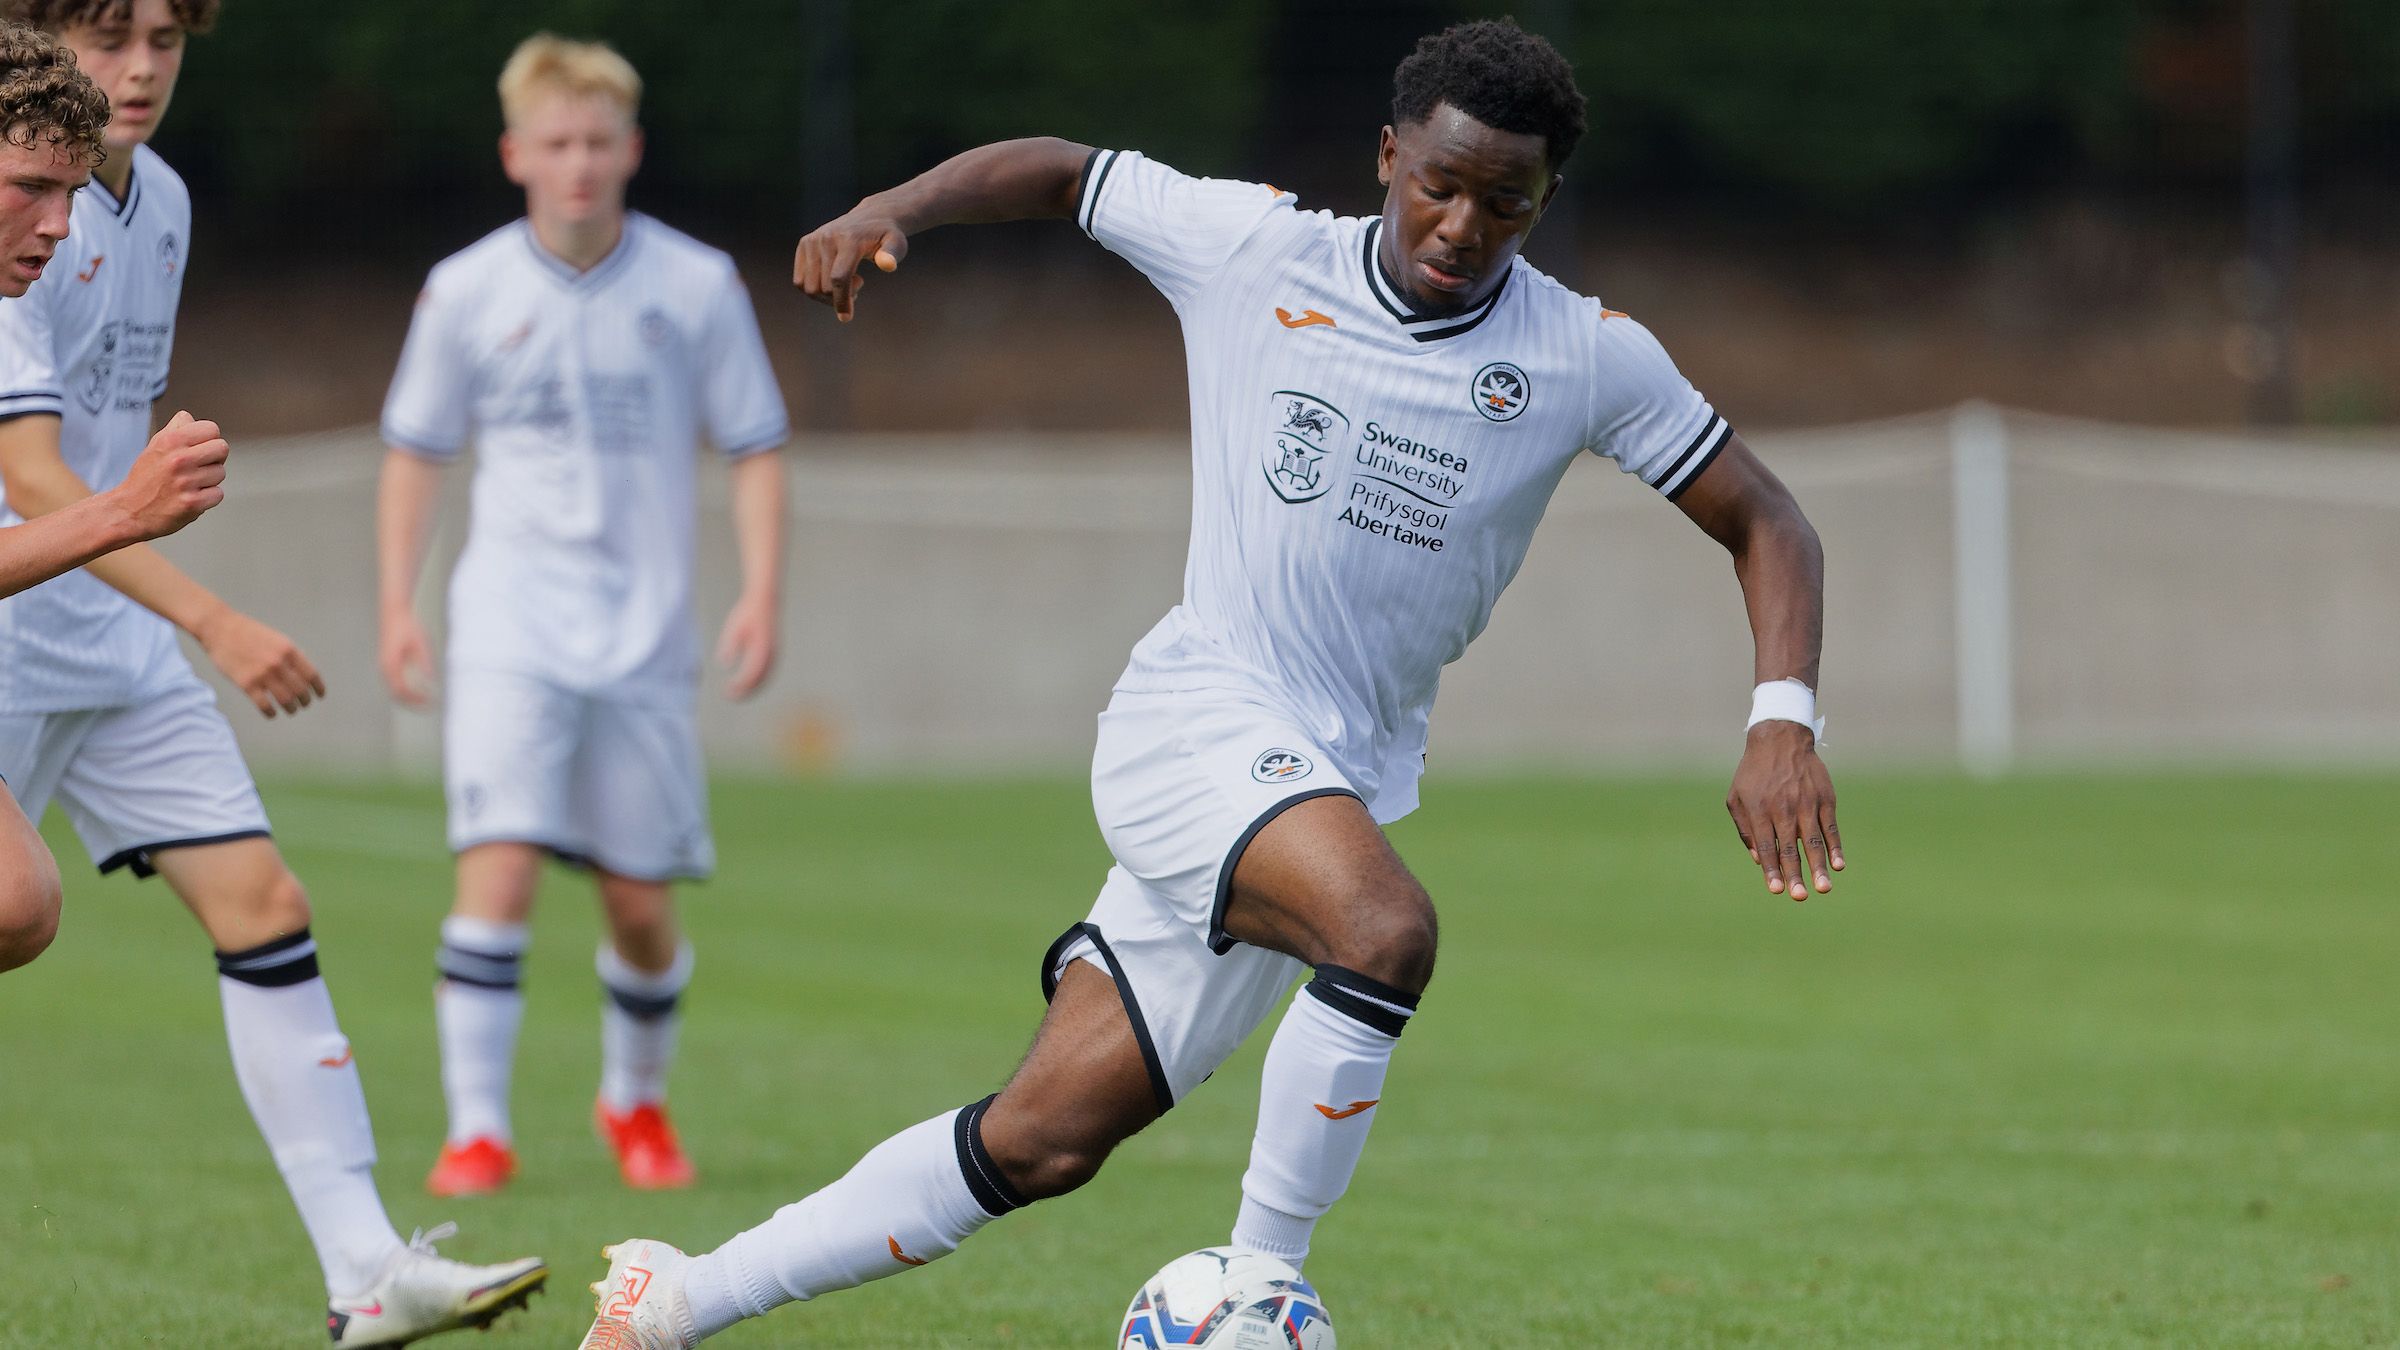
584 349
1381 409
55 117
99 708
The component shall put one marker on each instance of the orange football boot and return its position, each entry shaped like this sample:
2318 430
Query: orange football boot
480 1166
648 1154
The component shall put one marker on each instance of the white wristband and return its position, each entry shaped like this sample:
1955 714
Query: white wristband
1786 701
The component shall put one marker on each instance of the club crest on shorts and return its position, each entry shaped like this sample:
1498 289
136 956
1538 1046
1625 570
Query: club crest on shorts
1306 430
1500 391
1280 766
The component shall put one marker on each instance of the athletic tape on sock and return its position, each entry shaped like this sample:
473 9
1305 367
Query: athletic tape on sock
480 952
272 965
639 992
985 1180
1368 1001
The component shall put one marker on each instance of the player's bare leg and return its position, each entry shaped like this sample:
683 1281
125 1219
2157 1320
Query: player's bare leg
29 892
644 967
1320 882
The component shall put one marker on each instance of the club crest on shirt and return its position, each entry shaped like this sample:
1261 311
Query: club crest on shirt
1306 428
170 254
1500 391
657 329
1280 766
92 390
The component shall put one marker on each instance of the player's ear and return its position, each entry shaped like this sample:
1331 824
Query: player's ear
1386 154
633 150
1550 194
508 158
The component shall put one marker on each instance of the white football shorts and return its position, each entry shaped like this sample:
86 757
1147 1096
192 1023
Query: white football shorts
613 783
136 780
1181 783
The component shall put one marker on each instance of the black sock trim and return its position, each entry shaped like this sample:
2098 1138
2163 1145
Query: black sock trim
989 1185
140 859
1157 1068
1339 987
288 960
1218 941
644 1006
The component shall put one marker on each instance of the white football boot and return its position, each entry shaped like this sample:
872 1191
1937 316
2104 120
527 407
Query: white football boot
641 1303
422 1294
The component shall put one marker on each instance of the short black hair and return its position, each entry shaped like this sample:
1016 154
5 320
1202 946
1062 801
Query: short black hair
1498 74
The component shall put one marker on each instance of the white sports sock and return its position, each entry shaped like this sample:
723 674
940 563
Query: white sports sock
477 1009
909 1201
1317 1096
639 1022
296 1072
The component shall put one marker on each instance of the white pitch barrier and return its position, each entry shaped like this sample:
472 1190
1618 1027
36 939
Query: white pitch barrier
2003 589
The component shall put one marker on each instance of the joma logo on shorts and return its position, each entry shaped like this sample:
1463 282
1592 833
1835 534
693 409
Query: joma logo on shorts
1280 766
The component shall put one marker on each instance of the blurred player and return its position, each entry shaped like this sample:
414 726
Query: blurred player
583 349
99 708
1381 409
56 117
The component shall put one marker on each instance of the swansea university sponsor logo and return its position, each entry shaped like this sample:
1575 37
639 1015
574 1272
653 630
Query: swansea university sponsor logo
1280 766
1402 489
1500 391
1306 430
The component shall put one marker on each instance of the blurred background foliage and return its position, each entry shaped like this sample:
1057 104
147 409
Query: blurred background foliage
371 119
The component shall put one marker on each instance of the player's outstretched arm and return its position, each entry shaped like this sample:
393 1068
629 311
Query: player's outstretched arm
29 892
404 508
1032 179
179 476
263 663
1782 797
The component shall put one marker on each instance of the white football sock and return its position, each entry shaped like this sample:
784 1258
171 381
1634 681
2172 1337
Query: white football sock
477 1009
638 1025
1317 1096
909 1201
296 1072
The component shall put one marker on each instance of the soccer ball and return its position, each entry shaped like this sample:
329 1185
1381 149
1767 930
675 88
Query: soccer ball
1228 1299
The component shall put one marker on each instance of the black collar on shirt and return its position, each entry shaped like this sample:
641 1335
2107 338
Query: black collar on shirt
122 210
1422 327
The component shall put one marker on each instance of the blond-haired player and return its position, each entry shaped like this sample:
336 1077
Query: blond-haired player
99 708
585 350
54 118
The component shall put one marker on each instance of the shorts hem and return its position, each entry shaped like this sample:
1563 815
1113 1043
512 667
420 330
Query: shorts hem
1218 940
1159 1086
583 861
137 858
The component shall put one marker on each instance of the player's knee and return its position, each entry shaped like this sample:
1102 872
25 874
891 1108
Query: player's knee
29 905
1393 941
282 905
1044 1170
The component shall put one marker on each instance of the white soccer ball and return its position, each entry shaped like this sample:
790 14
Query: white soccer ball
1228 1299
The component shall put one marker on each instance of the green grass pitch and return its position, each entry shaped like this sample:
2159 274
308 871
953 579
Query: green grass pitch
2062 1062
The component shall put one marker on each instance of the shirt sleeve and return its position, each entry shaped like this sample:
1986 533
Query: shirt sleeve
429 407
1645 415
29 381
739 398
1177 229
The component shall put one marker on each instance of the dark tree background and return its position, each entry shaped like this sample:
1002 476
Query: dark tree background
372 124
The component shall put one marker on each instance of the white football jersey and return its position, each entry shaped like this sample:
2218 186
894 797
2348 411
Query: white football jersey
89 343
585 395
1366 478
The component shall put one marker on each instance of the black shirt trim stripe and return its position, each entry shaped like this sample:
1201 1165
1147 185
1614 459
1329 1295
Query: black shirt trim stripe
1421 327
1088 213
1681 476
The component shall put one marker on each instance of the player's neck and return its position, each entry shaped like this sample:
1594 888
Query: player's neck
580 244
116 172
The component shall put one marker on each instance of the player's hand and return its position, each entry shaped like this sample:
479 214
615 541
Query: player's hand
748 646
1782 804
263 663
406 658
826 266
179 475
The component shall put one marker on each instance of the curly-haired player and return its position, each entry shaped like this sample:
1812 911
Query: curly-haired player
1381 408
99 708
51 120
